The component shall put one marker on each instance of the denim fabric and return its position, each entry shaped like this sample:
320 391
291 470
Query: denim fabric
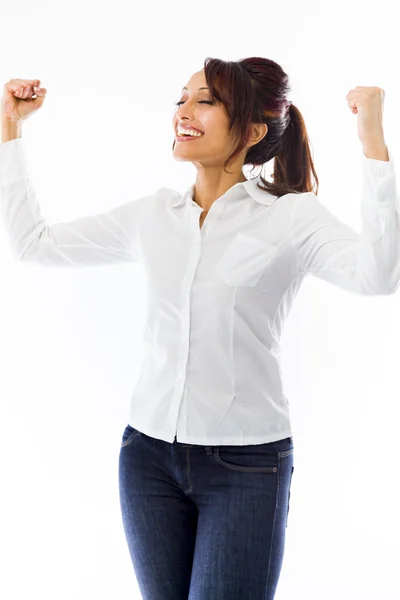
205 522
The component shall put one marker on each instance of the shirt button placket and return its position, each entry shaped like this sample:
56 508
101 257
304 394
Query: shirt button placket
185 322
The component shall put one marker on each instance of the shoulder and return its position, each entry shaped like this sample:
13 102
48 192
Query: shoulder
165 196
306 201
161 197
309 211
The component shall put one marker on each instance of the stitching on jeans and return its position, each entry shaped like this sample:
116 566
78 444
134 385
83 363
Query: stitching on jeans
188 470
273 528
286 452
130 438
242 468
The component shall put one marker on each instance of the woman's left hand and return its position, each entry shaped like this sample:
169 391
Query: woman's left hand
367 102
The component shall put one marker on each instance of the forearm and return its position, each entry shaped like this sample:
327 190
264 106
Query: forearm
378 151
10 130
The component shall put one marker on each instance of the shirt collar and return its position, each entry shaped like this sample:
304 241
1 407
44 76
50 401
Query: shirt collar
250 186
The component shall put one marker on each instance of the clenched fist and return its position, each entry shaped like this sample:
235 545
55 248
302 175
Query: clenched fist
21 98
367 103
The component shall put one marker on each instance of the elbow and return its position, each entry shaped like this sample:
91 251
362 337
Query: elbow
29 248
392 282
393 289
381 291
383 287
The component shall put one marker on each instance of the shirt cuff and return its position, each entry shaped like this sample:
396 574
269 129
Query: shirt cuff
379 182
13 162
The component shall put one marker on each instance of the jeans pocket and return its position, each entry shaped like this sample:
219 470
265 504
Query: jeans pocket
130 433
259 458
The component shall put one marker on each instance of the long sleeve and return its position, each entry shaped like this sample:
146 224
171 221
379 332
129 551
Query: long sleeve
367 263
106 238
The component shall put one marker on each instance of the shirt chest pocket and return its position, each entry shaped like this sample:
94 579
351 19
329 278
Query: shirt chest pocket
245 260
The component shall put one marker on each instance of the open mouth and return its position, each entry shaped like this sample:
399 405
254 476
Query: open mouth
187 136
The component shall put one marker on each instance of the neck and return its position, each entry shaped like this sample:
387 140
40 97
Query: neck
208 189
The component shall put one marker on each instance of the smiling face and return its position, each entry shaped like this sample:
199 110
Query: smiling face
212 149
196 109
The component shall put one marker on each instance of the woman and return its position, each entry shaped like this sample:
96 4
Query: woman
206 460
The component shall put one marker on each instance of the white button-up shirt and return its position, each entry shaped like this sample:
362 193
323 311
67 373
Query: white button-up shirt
219 295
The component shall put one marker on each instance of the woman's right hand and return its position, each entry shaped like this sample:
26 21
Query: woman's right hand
21 99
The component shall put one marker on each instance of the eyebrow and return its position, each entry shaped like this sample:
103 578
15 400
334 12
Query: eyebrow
202 88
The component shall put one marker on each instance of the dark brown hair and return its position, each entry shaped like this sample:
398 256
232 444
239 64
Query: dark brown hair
254 90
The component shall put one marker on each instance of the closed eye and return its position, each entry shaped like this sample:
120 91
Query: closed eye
201 102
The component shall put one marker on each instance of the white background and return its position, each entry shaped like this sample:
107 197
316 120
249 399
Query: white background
70 339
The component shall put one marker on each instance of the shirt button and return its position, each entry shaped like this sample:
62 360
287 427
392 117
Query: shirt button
381 173
381 198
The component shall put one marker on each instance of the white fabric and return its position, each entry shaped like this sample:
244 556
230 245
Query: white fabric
219 296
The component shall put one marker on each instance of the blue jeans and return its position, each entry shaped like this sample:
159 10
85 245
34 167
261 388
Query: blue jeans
205 522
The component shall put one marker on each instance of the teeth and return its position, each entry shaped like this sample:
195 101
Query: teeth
191 132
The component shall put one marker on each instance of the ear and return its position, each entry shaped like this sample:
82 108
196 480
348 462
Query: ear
259 131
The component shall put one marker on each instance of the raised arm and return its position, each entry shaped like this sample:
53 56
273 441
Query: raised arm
366 263
111 237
